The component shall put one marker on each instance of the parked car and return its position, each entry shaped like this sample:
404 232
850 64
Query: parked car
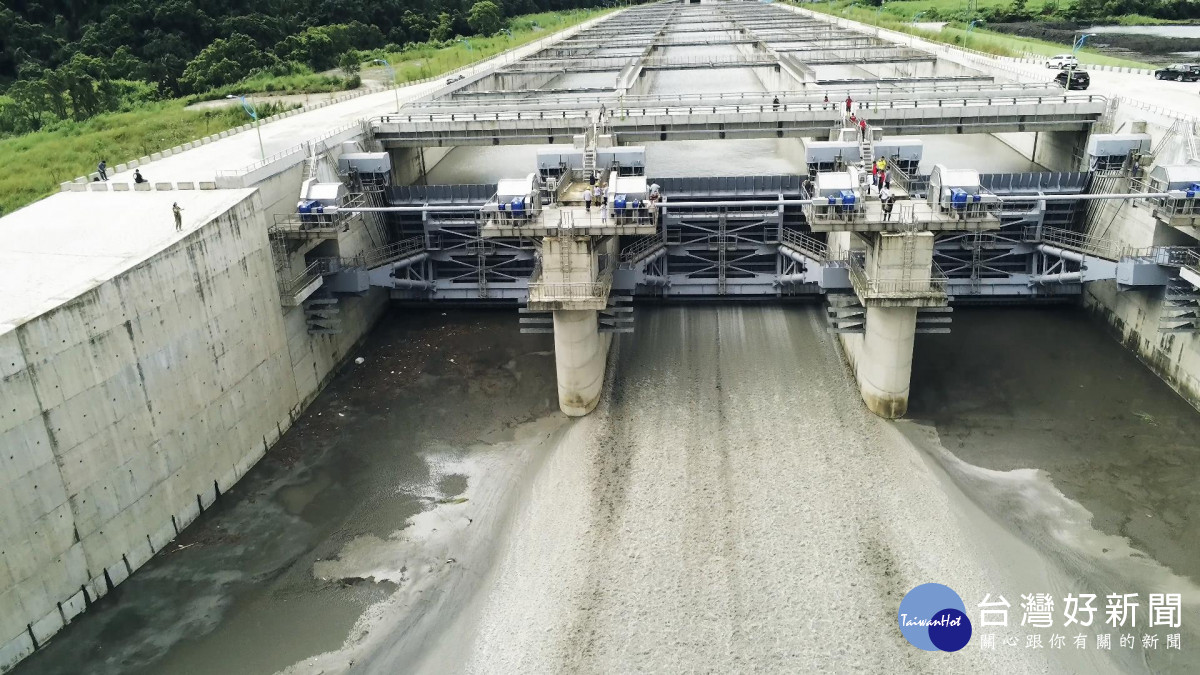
1062 61
1183 72
1079 79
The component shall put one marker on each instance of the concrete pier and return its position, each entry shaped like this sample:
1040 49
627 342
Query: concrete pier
892 278
580 352
886 361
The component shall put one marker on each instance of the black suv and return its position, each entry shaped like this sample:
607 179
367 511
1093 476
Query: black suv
1183 72
1079 79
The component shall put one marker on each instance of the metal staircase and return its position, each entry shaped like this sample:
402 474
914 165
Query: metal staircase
618 316
1180 311
639 250
845 313
589 151
321 314
866 157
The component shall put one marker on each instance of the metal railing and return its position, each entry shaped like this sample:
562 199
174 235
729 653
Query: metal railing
862 94
316 269
1191 261
1167 256
541 291
1079 242
933 285
913 212
618 114
811 246
635 251
914 184
827 211
372 258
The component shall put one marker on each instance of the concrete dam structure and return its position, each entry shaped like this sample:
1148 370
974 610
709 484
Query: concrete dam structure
144 371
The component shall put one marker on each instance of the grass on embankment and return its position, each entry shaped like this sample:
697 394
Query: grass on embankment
36 163
423 60
296 83
979 39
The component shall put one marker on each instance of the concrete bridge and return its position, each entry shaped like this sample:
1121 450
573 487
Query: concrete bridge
716 119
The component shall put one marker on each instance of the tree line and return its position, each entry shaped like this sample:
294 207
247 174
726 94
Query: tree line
72 59
1074 10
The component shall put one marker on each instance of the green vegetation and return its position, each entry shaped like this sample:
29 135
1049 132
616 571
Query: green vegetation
1129 12
38 162
978 39
303 81
419 61
74 59
62 148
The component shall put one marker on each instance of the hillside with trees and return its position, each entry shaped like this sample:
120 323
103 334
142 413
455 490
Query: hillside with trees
74 59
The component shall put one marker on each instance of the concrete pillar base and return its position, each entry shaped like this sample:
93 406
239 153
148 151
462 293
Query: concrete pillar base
580 353
885 364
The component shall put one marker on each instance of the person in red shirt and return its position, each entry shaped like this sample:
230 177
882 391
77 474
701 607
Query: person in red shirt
849 102
862 127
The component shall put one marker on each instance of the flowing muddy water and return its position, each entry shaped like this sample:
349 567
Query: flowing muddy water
290 559
730 505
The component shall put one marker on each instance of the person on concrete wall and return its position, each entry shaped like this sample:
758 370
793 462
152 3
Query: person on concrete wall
102 167
137 176
178 216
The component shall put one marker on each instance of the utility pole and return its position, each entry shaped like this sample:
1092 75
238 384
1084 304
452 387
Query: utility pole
253 113
395 86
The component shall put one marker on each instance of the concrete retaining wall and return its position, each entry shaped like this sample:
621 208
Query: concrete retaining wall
1134 315
127 410
130 408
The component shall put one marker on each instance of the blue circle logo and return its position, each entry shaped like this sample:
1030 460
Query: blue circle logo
932 617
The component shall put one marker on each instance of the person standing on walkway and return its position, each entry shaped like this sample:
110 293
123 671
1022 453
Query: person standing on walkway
604 208
849 102
775 104
587 199
825 105
887 203
178 216
102 167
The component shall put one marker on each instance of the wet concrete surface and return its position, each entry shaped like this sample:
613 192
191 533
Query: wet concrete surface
237 592
1050 389
731 506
